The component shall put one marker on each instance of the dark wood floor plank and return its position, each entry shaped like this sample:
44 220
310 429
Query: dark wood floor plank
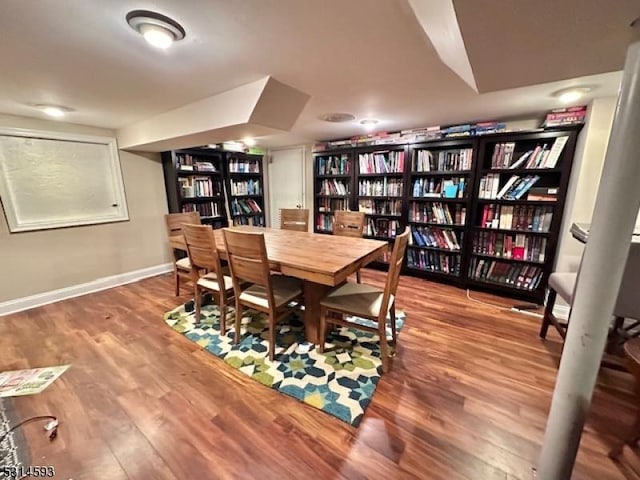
467 398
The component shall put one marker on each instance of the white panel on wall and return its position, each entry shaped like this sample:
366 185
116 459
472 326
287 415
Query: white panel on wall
52 180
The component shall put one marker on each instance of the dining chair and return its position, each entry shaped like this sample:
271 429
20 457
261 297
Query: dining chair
296 219
367 302
349 224
206 270
270 294
181 266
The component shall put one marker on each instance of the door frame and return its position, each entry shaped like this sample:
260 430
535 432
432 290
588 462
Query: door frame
303 180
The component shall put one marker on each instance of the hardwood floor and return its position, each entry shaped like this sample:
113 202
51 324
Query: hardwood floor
467 397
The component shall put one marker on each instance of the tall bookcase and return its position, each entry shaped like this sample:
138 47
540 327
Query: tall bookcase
245 188
440 201
485 212
194 181
379 192
332 187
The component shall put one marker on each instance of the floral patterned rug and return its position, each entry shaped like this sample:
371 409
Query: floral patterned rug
340 382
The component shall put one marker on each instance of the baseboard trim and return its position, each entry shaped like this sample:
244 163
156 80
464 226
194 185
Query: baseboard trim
561 311
32 301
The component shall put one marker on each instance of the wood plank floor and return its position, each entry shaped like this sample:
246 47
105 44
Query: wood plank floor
468 397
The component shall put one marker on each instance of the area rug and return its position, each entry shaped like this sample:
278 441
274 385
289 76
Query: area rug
340 382
14 450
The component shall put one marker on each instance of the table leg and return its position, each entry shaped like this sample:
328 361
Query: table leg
313 294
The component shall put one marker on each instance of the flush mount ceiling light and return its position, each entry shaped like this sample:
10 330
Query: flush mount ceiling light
568 95
337 117
55 111
158 30
369 123
249 141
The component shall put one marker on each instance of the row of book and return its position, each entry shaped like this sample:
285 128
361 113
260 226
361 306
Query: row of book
381 162
518 246
514 189
334 165
381 227
332 204
256 221
199 187
245 187
526 277
432 261
207 209
190 163
333 187
380 207
380 188
439 187
241 206
244 166
517 217
437 212
542 156
324 222
442 161
434 237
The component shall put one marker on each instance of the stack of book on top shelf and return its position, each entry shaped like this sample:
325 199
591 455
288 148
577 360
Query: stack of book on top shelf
565 116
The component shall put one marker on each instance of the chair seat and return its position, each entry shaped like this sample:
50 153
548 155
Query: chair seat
357 299
210 282
564 283
183 263
284 288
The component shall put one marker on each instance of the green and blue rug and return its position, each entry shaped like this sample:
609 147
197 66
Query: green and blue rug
340 382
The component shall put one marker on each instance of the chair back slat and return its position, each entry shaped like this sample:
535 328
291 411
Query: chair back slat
395 264
174 221
296 219
348 224
201 248
247 255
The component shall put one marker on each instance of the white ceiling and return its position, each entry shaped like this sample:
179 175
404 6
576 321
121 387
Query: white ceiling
367 57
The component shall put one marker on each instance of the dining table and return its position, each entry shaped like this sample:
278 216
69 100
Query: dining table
321 261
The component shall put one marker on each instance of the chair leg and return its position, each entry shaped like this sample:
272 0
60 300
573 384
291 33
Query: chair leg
197 297
236 334
384 346
223 315
322 329
358 277
176 281
548 311
272 337
392 314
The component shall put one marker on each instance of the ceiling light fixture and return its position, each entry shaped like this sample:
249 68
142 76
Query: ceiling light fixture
248 141
337 117
55 111
369 123
158 30
569 95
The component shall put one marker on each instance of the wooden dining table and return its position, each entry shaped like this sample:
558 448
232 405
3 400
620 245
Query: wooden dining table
320 261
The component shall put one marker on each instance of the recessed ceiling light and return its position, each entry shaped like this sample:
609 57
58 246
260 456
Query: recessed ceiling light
158 30
55 111
337 117
248 141
369 123
569 95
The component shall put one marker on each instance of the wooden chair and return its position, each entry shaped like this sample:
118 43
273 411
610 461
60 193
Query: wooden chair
271 294
349 224
206 270
181 266
367 301
296 219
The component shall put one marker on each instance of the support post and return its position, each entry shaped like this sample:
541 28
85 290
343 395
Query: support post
601 271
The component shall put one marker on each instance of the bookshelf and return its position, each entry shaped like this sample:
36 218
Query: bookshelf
332 187
194 181
520 186
478 220
379 193
245 188
439 204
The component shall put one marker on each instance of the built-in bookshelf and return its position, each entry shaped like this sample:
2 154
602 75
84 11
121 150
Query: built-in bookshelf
380 188
332 188
194 181
485 212
245 188
439 206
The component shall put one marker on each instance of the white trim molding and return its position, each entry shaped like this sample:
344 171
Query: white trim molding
32 301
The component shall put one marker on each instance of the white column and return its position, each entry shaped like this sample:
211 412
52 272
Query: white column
617 205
